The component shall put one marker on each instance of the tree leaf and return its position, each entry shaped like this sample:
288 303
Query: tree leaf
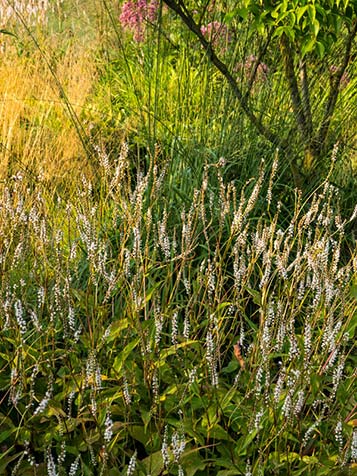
320 49
300 12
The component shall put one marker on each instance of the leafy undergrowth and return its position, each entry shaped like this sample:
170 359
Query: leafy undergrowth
138 336
155 316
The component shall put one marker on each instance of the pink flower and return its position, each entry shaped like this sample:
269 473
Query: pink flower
217 33
135 14
247 67
345 79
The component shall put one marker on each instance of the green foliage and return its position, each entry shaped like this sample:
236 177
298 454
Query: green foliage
312 26
114 336
180 308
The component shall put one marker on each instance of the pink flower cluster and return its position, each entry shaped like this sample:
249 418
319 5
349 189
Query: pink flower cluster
262 70
134 15
345 79
216 32
247 67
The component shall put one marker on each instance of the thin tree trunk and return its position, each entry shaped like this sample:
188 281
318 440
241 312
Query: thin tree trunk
288 61
321 135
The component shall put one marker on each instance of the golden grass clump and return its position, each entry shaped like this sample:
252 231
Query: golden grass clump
36 130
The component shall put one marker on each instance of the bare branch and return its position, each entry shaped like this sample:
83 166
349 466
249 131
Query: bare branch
256 66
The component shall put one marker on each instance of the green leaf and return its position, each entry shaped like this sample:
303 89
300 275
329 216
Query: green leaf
320 48
257 298
7 32
116 329
292 18
5 460
310 460
170 391
6 357
308 46
245 441
312 12
240 12
146 417
230 16
315 27
229 472
223 305
138 433
4 435
219 433
121 358
282 457
114 472
275 13
260 27
73 450
174 348
192 462
300 12
231 367
249 439
284 30
353 290
54 409
282 16
336 22
154 464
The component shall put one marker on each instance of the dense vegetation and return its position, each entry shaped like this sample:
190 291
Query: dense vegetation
177 238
